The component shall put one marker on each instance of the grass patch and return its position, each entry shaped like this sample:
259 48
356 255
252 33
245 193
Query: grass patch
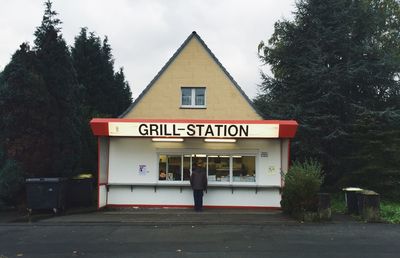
338 204
390 212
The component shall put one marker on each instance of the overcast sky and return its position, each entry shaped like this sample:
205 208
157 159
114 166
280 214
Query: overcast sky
144 34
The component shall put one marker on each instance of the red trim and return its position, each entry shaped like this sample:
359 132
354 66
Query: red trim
287 128
288 155
202 121
191 206
281 143
108 160
98 172
99 128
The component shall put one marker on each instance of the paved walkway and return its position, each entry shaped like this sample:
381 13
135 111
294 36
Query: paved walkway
167 216
175 216
159 216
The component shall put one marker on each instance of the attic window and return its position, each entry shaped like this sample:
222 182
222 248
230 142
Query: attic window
193 97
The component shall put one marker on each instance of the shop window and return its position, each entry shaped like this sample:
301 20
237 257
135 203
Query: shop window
187 164
244 168
218 168
193 97
170 168
162 165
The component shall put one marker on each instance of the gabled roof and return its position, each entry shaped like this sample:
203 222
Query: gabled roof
191 36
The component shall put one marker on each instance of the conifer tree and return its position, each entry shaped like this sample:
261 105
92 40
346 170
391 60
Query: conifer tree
63 122
335 58
24 109
374 161
122 92
104 92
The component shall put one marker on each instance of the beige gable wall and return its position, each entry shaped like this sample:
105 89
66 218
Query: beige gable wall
193 67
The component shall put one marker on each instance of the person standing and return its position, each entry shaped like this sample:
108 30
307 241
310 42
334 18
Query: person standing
198 182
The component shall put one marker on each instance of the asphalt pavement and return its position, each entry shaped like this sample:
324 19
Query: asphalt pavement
185 233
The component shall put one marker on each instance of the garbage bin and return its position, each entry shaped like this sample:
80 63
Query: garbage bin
80 191
369 205
351 199
46 194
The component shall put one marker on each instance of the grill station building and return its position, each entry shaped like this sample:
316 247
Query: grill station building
193 109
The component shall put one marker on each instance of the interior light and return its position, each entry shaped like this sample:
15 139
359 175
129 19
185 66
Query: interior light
167 139
219 140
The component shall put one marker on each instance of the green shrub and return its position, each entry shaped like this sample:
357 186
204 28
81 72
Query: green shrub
11 182
338 203
390 212
302 183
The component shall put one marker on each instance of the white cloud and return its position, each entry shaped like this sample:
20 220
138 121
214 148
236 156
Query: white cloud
145 34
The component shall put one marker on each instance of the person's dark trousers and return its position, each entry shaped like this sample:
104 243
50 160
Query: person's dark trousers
198 199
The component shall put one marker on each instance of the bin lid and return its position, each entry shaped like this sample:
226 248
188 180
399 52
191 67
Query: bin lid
45 179
369 192
352 189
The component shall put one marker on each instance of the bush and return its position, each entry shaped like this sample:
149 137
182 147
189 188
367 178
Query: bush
302 183
390 212
11 183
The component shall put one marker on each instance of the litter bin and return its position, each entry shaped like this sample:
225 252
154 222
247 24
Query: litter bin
46 194
351 199
369 205
80 191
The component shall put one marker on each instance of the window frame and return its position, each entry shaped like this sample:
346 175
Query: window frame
206 155
193 97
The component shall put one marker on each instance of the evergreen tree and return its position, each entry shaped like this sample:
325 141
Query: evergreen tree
334 58
63 121
122 92
105 93
24 109
375 162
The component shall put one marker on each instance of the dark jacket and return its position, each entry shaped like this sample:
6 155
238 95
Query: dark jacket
198 179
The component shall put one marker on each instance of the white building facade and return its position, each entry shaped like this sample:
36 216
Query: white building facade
193 109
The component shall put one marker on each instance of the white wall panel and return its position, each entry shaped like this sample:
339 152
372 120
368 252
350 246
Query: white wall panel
104 158
123 195
285 155
102 196
126 154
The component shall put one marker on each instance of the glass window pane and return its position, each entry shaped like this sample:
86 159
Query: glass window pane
186 96
174 168
162 166
244 168
186 167
218 168
200 96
